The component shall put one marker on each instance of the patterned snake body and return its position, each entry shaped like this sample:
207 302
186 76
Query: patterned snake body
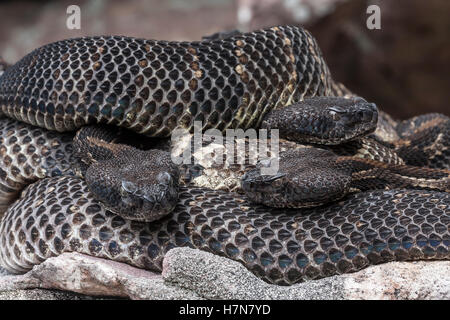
282 246
153 87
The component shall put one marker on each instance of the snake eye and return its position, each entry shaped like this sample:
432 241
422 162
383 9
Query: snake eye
129 186
336 109
336 113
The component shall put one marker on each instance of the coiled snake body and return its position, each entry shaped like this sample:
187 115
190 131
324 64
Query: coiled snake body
153 87
280 245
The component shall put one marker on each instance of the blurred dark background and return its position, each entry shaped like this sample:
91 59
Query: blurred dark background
404 67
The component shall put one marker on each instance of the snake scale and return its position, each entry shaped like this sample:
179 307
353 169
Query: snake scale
281 246
152 87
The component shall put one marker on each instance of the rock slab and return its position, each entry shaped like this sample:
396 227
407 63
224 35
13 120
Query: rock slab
195 274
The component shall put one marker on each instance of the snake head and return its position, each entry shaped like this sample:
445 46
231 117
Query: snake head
349 121
306 177
324 120
137 185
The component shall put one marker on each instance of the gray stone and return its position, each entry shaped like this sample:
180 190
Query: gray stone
215 277
42 294
195 274
95 276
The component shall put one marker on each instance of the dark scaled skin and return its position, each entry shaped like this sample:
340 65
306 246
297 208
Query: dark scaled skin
129 182
135 184
306 177
309 177
76 82
153 87
324 120
28 154
230 80
424 141
281 246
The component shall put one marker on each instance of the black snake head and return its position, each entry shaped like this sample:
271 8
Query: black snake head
324 120
138 185
306 177
133 183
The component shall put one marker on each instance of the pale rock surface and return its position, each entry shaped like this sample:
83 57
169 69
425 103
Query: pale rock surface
194 274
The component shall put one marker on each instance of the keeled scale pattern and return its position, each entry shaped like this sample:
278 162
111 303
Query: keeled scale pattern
28 154
223 175
425 141
154 86
281 246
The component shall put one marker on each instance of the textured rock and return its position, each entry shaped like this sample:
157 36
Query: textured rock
42 294
94 276
401 280
216 277
194 274
8 282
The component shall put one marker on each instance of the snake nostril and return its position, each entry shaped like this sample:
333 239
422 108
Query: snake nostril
360 114
365 115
